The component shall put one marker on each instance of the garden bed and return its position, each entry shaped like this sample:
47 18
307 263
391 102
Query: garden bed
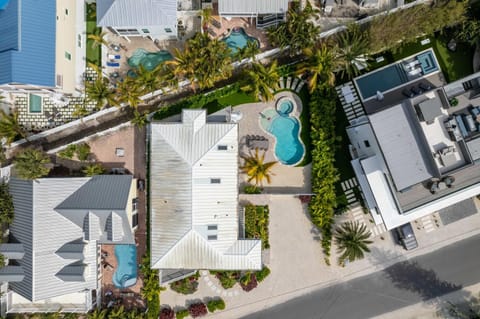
248 280
256 223
186 286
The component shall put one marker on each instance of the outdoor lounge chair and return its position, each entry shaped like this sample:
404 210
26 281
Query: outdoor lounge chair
211 32
114 56
113 64
216 24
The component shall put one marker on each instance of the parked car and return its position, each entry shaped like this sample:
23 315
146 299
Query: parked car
407 236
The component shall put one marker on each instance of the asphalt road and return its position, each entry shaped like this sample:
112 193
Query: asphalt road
405 283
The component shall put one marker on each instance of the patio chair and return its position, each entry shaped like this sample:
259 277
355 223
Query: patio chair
211 32
113 64
216 24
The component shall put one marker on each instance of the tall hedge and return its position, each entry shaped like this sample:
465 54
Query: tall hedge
324 173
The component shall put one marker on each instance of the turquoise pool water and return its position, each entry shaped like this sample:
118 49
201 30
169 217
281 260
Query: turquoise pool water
126 273
149 60
237 39
289 150
394 75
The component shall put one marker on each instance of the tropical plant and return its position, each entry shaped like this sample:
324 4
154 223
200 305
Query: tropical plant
252 189
68 152
97 314
10 128
248 281
256 169
129 92
198 309
256 223
167 313
148 81
262 274
262 81
139 119
352 239
319 64
98 38
80 111
227 279
100 92
204 60
181 313
352 50
31 164
298 32
215 304
249 51
206 16
470 31
186 286
6 204
93 169
117 313
82 151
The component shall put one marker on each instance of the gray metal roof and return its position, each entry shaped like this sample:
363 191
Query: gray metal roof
430 109
474 148
184 158
401 149
136 13
237 7
101 192
52 238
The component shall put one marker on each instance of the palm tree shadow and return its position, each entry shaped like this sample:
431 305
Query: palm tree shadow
410 275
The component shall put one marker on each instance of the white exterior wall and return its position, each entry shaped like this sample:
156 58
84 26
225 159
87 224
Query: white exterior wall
155 32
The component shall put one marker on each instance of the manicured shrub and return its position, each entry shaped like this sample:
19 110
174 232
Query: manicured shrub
187 285
256 223
252 189
167 313
68 152
248 281
83 150
181 314
262 274
197 310
216 304
227 278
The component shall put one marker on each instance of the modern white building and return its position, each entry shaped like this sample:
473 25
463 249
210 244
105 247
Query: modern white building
194 198
419 155
53 254
156 19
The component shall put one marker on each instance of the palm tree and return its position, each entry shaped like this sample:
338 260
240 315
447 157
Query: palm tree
31 164
262 81
352 240
10 129
129 92
98 38
256 169
148 81
182 66
100 92
93 169
206 16
320 64
251 50
139 119
352 48
97 314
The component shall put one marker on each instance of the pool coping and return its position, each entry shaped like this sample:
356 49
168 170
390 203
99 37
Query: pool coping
296 112
401 85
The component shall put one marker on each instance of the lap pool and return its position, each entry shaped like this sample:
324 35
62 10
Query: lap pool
126 272
280 122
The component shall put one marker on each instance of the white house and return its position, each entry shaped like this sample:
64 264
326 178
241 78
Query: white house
156 19
194 197
54 254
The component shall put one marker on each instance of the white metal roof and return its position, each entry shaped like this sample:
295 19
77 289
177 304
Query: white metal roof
184 159
400 148
237 7
52 266
136 13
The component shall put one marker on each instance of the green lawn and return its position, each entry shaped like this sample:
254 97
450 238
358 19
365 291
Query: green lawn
212 102
92 55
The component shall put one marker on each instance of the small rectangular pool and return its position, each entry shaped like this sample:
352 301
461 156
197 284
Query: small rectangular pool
35 103
396 74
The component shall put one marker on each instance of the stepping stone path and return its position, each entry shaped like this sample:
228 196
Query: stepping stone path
224 293
427 224
291 83
353 109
